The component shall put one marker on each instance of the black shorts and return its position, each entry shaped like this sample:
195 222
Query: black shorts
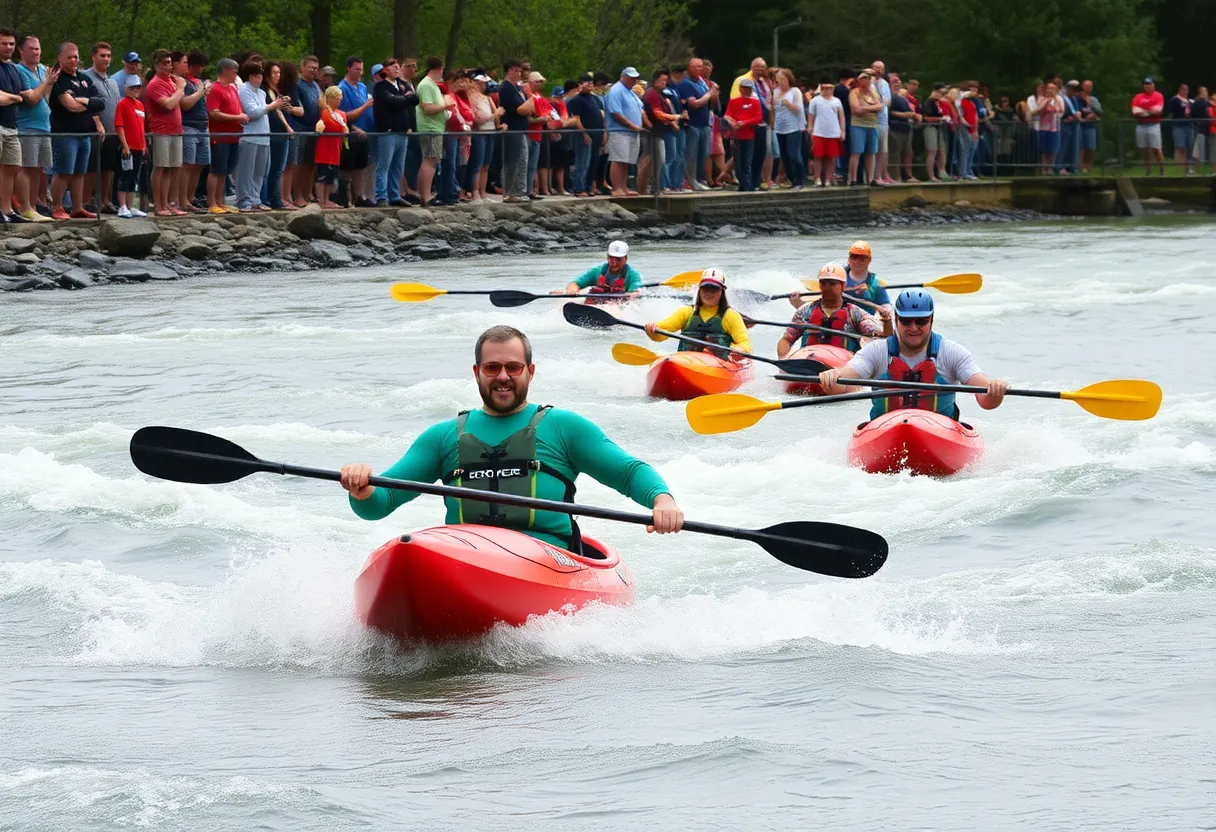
545 151
354 157
308 149
327 174
223 158
110 150
128 180
559 157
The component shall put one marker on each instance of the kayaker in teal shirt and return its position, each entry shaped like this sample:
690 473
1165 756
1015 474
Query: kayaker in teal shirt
614 277
514 447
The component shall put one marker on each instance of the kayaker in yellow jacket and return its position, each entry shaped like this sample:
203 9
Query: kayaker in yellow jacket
513 447
710 318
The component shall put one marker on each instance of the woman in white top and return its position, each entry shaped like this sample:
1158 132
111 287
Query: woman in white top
255 143
825 123
789 121
485 123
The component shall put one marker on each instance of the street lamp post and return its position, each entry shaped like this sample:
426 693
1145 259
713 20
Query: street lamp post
775 31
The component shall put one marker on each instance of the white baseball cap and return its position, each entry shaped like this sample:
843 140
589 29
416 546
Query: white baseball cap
713 277
618 248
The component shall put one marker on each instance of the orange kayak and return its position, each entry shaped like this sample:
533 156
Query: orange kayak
456 582
686 375
919 441
833 357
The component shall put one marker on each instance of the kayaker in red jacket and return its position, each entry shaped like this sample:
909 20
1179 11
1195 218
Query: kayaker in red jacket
514 447
916 353
831 310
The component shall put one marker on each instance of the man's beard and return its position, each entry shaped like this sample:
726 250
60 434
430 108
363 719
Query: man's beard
501 403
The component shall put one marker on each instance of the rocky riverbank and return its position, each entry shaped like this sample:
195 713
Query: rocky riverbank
84 254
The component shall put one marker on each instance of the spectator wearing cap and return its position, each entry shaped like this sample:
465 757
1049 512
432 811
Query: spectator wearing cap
744 114
537 121
485 128
698 96
1068 159
105 154
328 76
359 157
1147 106
763 93
129 120
34 125
302 155
517 105
431 115
825 122
162 95
559 155
391 108
196 148
625 127
1091 114
132 64
584 108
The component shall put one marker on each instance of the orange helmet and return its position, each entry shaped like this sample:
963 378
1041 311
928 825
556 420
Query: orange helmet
861 248
833 271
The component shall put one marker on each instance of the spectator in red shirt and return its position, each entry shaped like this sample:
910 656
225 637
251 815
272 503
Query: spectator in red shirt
226 117
1146 108
333 131
163 95
743 113
663 126
129 125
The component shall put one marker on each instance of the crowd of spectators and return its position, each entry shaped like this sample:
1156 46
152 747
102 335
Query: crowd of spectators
78 140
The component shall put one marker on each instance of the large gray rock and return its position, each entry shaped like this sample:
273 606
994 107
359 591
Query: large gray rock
94 260
9 267
128 238
327 253
194 247
431 248
308 223
414 217
140 271
510 212
75 279
18 284
18 245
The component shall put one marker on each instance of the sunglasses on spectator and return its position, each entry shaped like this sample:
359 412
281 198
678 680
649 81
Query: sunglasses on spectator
491 369
914 322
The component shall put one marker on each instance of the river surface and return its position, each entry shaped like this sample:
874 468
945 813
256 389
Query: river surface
1037 652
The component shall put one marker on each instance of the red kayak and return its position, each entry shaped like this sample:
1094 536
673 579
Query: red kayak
833 357
456 582
686 375
919 441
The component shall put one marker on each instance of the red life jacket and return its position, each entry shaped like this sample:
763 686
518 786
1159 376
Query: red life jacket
837 320
604 286
925 372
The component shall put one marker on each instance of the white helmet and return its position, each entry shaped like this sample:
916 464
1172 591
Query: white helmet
713 277
618 248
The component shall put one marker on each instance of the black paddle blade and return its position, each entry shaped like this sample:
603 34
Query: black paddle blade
825 548
801 366
510 298
184 455
589 317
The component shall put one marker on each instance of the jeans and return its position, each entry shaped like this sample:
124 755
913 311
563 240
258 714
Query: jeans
758 154
696 152
673 168
515 164
966 153
582 159
449 190
790 146
274 173
479 156
390 166
744 158
251 167
1070 147
533 164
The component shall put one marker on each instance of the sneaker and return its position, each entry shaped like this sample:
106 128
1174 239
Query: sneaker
83 214
45 210
108 209
700 186
60 214
34 216
124 213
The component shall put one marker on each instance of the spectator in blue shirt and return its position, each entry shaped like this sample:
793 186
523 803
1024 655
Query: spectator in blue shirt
359 160
698 95
309 93
625 127
585 106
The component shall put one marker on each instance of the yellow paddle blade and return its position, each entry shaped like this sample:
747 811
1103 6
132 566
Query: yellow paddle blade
633 355
683 280
957 284
1127 399
726 412
415 292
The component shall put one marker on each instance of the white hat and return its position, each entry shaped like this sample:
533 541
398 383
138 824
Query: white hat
713 277
618 248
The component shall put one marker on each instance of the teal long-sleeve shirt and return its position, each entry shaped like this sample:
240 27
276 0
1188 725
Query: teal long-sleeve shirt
633 278
568 442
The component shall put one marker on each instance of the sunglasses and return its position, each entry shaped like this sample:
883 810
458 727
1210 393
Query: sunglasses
491 369
914 322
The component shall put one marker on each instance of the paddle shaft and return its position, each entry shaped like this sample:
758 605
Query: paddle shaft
853 335
265 466
776 362
945 388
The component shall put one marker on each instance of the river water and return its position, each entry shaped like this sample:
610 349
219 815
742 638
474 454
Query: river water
1037 653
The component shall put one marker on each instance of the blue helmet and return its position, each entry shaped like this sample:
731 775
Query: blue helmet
914 303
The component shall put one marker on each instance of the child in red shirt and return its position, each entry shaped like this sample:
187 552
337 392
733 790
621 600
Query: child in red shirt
332 129
129 124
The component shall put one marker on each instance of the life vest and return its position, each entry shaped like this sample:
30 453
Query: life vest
712 331
926 372
866 289
837 320
510 467
604 286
